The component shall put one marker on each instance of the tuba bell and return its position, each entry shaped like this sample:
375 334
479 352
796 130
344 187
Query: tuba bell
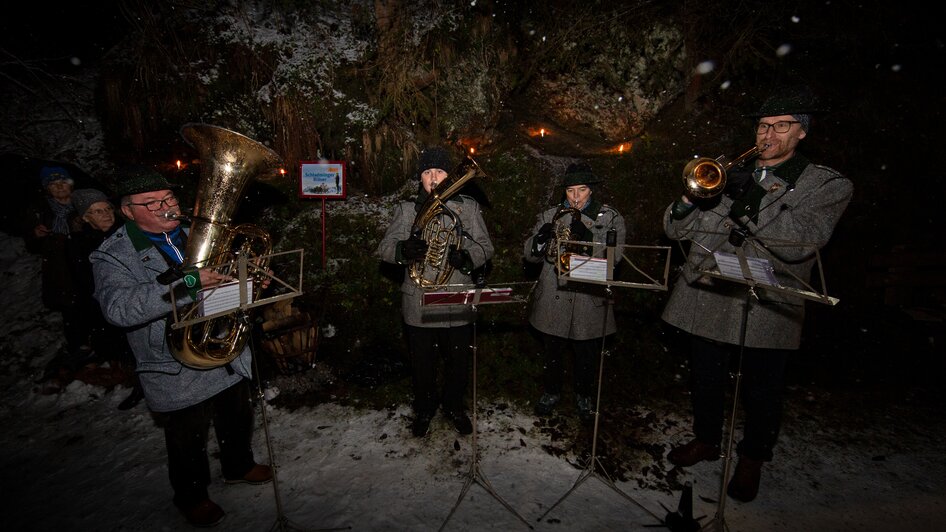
440 227
704 177
229 161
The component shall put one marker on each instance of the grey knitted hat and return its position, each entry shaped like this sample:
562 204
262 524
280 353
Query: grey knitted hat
84 198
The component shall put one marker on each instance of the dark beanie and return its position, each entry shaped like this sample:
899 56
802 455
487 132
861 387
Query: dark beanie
579 174
434 157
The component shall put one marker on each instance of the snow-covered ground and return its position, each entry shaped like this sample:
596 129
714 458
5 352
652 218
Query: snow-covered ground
74 462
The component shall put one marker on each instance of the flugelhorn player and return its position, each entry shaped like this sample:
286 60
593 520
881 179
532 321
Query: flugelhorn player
435 332
571 315
782 196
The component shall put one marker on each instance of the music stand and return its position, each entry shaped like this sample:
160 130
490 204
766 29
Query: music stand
587 269
754 272
236 298
474 297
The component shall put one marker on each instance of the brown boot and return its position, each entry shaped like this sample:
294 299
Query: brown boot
744 485
693 452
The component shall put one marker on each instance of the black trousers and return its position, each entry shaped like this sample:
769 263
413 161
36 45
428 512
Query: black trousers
763 372
585 363
185 434
427 346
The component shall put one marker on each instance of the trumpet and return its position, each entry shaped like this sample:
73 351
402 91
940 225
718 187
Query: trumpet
704 177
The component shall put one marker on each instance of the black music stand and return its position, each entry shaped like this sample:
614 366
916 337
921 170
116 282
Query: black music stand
754 272
602 271
474 297
236 298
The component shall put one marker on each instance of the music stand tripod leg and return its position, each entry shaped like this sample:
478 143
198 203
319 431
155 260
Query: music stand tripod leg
591 470
475 474
719 520
282 521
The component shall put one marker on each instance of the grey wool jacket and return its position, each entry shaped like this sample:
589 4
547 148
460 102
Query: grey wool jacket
125 267
566 308
796 217
475 240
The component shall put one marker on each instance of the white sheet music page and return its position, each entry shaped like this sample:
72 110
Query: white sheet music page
223 297
760 270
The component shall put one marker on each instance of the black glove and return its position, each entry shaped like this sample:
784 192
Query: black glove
579 231
544 234
413 248
460 259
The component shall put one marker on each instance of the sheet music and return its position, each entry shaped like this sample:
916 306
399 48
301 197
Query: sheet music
760 270
223 297
582 267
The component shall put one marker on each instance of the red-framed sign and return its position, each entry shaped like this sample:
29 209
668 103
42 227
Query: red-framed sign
323 179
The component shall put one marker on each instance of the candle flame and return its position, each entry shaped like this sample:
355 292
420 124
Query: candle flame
542 132
178 163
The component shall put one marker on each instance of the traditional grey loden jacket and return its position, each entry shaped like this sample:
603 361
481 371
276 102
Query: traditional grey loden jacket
805 212
572 309
125 268
475 240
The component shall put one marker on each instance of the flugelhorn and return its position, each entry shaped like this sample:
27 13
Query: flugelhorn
704 177
561 232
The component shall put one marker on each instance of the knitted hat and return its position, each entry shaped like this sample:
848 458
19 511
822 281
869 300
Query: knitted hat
579 174
434 157
49 174
84 198
140 178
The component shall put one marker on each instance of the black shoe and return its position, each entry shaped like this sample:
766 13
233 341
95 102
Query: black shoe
546 404
585 412
135 397
421 425
460 421
204 514
692 453
744 485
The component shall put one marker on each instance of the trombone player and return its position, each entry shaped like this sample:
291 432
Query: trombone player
782 196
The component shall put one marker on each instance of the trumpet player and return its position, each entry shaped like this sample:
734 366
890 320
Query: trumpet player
435 332
567 314
785 197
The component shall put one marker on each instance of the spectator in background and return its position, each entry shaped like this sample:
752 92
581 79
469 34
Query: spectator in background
108 341
50 227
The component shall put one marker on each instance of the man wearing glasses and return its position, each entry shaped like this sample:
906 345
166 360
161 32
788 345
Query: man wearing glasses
783 197
132 286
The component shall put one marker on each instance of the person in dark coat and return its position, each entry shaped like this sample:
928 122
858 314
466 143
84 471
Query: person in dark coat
783 197
571 314
435 332
108 342
49 230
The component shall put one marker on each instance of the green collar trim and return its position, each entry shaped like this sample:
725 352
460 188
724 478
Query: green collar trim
137 236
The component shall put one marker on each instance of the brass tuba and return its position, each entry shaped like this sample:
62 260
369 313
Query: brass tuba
561 231
440 227
229 161
704 177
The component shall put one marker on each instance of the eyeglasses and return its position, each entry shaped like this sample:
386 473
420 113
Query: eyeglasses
779 127
153 206
97 212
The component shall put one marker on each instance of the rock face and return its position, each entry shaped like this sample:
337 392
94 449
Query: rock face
618 88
